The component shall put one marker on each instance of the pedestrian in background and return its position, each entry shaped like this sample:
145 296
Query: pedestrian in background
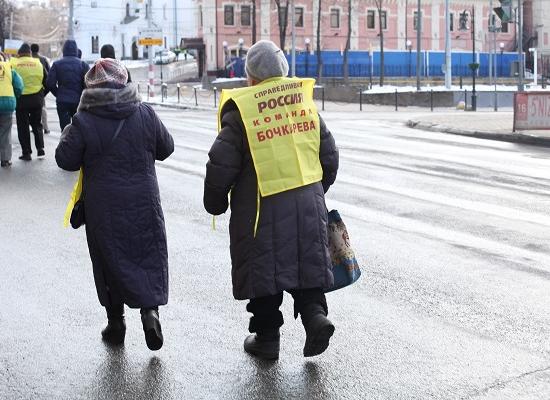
124 220
278 226
66 82
29 107
44 61
11 87
108 51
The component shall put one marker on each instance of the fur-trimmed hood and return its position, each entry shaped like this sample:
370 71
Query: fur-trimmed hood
99 97
110 103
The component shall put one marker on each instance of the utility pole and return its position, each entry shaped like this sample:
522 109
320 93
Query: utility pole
71 19
150 50
491 29
448 61
418 44
292 21
176 43
520 46
474 69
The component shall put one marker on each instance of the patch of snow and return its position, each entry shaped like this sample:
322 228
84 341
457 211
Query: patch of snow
455 88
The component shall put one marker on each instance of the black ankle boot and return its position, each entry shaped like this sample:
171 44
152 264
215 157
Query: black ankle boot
115 331
152 328
318 328
264 345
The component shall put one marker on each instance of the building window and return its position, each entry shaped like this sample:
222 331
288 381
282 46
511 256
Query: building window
245 15
164 11
229 15
415 22
384 19
282 14
334 18
95 44
127 10
463 21
299 17
94 4
452 21
370 19
504 27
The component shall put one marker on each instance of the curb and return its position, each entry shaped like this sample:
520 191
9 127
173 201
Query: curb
179 106
503 137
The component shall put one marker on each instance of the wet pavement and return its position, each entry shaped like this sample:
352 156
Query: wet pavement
452 234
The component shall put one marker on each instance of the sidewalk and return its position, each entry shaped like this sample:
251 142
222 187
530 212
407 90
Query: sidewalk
480 124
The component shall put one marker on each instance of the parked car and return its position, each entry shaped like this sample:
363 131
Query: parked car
165 57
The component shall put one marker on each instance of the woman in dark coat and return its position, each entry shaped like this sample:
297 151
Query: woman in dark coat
290 249
124 220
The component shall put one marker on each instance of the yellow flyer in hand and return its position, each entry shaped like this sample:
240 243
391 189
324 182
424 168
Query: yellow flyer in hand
75 196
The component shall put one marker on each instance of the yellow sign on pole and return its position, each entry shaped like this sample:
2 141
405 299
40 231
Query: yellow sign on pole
151 37
150 42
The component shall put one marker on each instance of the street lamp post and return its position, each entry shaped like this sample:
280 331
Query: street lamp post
409 47
161 78
501 57
225 47
308 43
241 44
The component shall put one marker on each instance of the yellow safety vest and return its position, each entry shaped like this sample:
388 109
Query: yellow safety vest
282 127
31 71
6 85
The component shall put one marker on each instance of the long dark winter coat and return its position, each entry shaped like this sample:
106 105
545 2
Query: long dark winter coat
290 250
66 76
124 219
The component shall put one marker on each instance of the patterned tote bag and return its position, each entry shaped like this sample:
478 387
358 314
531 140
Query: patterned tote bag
344 264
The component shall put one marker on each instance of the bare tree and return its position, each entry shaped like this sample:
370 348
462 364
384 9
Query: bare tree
282 13
379 4
319 58
6 9
348 43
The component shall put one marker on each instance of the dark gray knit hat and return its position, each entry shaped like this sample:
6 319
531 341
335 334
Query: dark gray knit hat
24 49
265 60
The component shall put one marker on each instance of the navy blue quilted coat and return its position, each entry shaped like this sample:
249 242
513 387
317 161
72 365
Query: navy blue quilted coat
66 76
290 250
124 220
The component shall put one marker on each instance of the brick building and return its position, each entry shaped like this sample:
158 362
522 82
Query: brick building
227 21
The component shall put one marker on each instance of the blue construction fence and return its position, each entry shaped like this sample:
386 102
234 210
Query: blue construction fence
396 64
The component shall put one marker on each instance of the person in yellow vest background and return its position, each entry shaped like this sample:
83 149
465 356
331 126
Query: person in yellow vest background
277 158
11 87
29 106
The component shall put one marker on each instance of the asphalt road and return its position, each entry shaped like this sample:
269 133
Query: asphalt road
452 234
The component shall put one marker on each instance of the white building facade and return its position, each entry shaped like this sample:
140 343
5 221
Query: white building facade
99 22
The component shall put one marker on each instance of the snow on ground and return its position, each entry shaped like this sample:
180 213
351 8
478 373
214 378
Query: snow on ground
455 88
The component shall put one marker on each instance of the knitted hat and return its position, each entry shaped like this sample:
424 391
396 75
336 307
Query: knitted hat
24 49
107 51
106 72
265 60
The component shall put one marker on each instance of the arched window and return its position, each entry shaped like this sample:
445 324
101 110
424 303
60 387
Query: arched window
127 9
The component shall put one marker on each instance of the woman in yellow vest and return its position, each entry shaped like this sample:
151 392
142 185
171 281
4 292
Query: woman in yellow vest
277 157
29 106
11 86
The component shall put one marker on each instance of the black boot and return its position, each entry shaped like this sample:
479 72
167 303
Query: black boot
152 328
318 328
263 345
115 331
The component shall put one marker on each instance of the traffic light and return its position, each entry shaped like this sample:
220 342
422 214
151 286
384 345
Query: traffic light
504 12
